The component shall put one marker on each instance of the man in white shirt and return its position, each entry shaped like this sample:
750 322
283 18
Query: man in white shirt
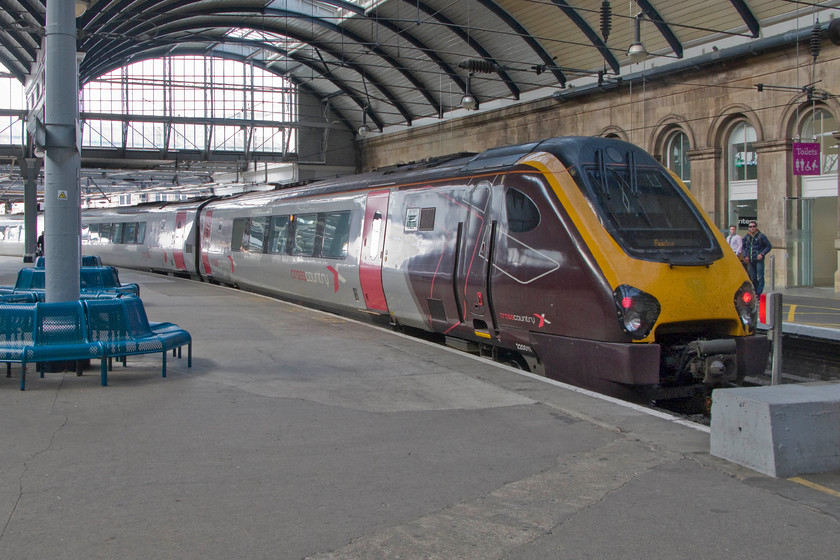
735 241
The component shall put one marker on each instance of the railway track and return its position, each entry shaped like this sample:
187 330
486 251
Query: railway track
806 359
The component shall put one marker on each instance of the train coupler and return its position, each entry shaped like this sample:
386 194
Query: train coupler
713 361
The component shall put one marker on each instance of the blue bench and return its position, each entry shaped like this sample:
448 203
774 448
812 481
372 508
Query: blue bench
17 326
91 279
87 260
104 328
61 335
123 328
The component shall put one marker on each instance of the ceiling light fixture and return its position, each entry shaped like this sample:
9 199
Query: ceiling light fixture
364 130
637 51
81 7
468 101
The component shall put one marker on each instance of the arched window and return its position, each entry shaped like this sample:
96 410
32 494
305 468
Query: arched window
743 163
676 156
818 127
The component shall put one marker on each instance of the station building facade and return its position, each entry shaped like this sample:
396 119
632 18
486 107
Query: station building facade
725 123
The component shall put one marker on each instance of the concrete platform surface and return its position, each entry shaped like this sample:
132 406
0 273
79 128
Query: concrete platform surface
300 435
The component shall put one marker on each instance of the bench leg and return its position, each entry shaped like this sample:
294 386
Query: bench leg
189 355
8 369
164 363
78 368
23 376
104 373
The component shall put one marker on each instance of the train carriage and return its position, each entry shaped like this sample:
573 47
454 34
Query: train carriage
153 236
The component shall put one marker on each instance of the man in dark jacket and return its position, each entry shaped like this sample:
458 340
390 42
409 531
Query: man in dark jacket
755 247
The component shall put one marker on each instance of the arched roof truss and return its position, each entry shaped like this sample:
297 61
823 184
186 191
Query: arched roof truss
392 62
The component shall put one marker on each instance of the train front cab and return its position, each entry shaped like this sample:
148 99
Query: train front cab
652 310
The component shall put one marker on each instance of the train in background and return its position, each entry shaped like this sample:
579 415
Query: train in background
582 259
12 231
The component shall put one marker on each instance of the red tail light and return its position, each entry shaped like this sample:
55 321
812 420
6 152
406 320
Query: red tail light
637 310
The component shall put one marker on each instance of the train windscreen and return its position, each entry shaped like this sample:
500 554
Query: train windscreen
648 214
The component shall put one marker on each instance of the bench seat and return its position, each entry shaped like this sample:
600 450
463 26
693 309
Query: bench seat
60 334
122 326
103 328
17 325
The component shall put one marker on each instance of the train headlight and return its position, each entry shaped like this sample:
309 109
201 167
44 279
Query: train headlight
745 306
637 310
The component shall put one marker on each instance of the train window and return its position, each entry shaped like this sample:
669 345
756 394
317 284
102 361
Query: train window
427 219
303 243
256 235
375 230
117 233
278 234
522 213
141 233
649 215
93 233
130 233
240 227
336 234
105 233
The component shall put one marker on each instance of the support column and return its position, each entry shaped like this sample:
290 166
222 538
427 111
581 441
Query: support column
30 168
62 163
774 187
704 181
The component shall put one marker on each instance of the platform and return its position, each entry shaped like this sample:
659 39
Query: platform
297 434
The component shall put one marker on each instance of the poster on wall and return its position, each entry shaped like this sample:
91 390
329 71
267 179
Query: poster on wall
806 158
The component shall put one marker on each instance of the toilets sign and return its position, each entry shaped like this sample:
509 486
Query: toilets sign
806 158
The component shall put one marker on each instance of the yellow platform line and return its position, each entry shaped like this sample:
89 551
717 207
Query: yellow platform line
791 313
815 486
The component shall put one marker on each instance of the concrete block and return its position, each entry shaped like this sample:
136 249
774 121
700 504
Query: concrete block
781 430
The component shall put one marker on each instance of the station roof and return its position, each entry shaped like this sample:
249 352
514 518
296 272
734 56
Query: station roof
394 62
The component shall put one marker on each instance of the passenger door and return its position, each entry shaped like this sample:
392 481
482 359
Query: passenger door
475 255
373 246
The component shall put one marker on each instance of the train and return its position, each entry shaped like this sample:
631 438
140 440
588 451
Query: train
582 259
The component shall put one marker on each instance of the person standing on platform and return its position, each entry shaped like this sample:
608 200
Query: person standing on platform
755 247
735 241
